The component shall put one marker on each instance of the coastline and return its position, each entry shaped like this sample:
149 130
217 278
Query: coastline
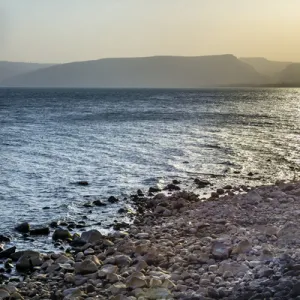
241 243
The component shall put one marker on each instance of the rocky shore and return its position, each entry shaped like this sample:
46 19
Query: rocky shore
241 243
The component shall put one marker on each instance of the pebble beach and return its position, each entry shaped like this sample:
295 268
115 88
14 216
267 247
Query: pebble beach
241 243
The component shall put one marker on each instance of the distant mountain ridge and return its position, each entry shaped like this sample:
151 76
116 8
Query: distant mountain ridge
290 75
10 69
144 72
264 66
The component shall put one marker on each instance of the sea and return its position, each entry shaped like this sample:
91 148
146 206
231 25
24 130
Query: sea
121 140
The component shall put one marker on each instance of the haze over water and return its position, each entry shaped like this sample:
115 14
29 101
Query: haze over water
122 140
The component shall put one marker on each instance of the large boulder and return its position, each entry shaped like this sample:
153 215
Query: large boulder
29 260
92 236
61 234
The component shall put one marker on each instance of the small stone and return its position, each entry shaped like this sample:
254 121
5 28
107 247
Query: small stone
86 267
4 239
107 269
227 274
123 260
112 199
141 265
83 183
23 227
40 231
213 268
155 282
61 234
7 253
243 247
89 251
70 278
172 187
73 292
154 189
4 294
92 236
296 290
117 288
29 260
90 289
213 293
234 267
16 296
112 278
142 235
265 272
135 282
214 195
227 187
140 193
158 293
220 191
202 182
98 203
220 250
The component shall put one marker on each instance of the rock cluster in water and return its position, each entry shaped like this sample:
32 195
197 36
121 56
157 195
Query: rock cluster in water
235 245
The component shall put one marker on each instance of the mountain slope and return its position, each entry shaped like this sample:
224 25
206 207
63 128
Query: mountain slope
265 66
11 69
290 75
155 72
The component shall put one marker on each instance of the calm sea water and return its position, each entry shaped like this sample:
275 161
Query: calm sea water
122 140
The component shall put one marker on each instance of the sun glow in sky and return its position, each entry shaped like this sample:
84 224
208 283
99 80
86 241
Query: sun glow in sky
73 30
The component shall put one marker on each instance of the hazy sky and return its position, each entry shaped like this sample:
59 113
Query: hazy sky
72 30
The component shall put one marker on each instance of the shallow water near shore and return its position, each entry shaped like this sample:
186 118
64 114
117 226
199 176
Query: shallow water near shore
122 140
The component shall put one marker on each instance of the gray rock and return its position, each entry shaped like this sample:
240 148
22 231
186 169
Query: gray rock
212 293
107 269
86 267
243 247
23 227
220 250
4 294
265 272
296 289
8 252
29 260
123 260
40 231
158 293
92 236
289 233
234 268
61 234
